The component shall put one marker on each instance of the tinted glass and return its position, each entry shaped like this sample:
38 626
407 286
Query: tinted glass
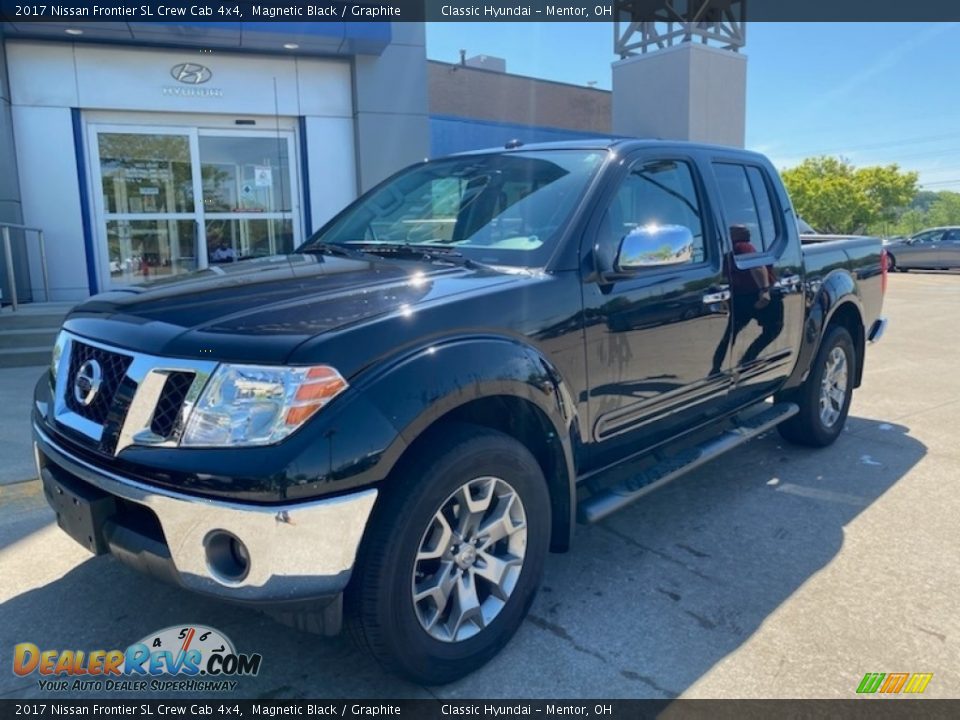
141 250
142 173
244 174
507 208
768 225
231 239
740 208
659 192
931 236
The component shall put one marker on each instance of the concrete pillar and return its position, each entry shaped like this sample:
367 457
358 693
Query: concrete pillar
9 183
11 210
688 91
390 106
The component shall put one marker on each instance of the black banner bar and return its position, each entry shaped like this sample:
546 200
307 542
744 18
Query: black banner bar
190 11
228 709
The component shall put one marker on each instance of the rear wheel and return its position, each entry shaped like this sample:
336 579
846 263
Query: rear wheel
824 398
453 556
891 263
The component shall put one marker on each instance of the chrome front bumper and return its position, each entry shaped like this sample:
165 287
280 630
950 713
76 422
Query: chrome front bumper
296 552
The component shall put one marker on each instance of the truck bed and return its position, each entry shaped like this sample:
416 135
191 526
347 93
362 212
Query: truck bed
859 254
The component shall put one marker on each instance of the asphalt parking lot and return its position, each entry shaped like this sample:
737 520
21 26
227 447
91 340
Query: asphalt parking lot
774 572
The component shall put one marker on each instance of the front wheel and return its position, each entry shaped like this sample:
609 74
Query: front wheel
453 557
824 398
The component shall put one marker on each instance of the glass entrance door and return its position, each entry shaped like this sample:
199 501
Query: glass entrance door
247 195
172 200
146 201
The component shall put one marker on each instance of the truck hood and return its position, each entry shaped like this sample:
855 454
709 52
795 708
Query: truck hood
261 310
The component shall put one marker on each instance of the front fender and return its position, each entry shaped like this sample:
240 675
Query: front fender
424 386
428 383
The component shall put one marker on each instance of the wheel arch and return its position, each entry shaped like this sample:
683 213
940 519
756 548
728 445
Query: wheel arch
497 383
849 316
834 299
523 421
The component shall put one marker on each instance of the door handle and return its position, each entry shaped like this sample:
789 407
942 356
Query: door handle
787 282
716 297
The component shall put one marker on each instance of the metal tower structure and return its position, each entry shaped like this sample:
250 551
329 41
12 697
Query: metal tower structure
641 26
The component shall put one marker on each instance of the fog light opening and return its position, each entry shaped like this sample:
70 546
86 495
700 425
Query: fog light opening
227 557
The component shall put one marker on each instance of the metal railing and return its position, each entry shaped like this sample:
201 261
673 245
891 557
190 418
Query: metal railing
5 229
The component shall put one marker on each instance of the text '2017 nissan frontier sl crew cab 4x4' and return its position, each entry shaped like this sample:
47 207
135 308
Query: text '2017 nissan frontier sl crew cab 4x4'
392 426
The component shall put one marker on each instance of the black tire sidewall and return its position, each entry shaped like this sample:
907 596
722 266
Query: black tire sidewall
410 649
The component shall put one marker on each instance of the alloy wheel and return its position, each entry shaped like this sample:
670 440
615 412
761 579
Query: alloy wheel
833 387
470 559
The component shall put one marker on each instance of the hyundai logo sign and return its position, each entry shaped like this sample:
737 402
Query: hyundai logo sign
191 73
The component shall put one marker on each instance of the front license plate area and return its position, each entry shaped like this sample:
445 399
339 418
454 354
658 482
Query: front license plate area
81 509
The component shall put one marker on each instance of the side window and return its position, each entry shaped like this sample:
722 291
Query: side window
748 207
929 237
761 195
656 192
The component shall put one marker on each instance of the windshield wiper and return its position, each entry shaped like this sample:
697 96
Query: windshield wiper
320 248
427 253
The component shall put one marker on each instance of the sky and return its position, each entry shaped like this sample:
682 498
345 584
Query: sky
874 93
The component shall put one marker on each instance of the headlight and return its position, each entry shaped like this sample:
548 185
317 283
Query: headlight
57 355
258 405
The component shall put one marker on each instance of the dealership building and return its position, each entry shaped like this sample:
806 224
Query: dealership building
147 150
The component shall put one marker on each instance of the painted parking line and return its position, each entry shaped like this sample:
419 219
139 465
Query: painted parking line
825 495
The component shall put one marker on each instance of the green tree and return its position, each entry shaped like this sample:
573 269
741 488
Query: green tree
945 210
836 197
929 209
923 200
912 221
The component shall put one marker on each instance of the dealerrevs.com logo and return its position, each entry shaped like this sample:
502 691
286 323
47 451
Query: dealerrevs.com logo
182 657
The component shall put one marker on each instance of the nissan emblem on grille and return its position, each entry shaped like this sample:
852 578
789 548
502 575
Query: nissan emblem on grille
87 383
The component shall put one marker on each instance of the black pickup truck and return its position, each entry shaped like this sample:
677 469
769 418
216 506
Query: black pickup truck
392 426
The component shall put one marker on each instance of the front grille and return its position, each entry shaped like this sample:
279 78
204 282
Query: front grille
167 413
113 366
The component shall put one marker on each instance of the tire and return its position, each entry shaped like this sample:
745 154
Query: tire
891 263
405 549
814 425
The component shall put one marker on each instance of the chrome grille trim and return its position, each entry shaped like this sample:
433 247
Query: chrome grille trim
149 373
113 366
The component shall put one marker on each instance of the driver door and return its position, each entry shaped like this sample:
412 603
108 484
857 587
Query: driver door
651 334
922 252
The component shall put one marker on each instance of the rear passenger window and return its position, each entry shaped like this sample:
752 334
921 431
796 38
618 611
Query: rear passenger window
747 205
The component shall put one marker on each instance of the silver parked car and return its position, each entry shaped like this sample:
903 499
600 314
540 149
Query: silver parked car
936 248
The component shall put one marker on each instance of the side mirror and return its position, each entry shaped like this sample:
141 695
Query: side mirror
652 246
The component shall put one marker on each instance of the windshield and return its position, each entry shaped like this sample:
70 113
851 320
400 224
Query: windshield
498 209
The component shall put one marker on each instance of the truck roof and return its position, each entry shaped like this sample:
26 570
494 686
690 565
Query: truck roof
610 143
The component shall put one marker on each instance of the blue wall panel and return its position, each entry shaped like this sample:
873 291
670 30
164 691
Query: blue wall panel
314 38
449 134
